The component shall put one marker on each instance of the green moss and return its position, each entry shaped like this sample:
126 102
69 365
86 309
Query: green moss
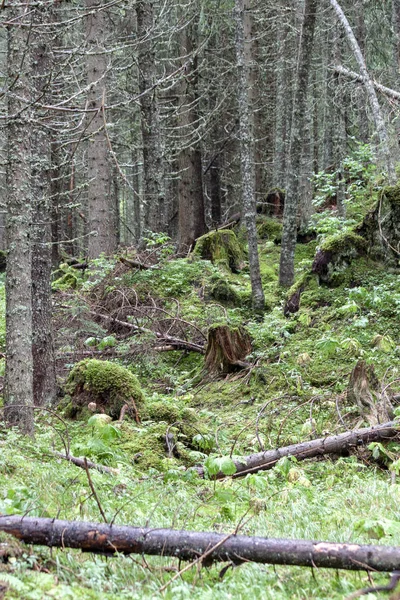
163 411
107 384
269 229
224 293
220 247
343 243
392 193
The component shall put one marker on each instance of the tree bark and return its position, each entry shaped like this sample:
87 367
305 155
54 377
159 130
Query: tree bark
336 444
18 388
289 234
101 205
191 545
369 88
190 187
44 374
154 194
246 128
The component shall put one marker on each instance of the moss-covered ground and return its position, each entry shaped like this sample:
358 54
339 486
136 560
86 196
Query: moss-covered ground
294 390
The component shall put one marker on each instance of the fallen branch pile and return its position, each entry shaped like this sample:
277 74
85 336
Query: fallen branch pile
336 444
189 545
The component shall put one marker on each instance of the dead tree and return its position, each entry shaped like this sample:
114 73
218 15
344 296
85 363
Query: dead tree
371 398
226 349
203 547
336 444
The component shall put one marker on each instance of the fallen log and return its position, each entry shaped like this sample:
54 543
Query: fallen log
80 462
335 444
189 545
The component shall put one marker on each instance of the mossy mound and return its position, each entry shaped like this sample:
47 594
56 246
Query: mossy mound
335 255
108 385
224 293
220 247
269 229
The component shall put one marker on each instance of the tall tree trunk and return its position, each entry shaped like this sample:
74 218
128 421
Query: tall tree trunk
18 380
286 272
102 213
44 375
246 129
154 193
190 188
369 88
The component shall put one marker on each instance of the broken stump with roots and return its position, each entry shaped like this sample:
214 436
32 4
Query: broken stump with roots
371 398
227 348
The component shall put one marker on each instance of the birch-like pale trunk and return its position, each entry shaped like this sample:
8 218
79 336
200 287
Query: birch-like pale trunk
246 132
289 234
370 91
18 388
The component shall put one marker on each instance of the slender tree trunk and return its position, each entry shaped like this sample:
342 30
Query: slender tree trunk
44 375
286 272
190 188
246 129
154 193
396 34
18 390
369 88
102 217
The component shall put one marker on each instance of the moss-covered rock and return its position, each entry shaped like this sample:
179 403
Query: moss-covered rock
220 247
335 255
106 386
269 229
224 293
381 226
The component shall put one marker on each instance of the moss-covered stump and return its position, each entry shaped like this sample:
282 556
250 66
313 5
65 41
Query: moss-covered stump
371 398
381 227
220 247
269 229
335 255
227 348
102 386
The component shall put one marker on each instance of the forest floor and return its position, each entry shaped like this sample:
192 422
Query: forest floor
293 390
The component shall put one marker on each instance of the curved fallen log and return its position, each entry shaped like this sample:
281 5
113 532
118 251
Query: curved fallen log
189 545
335 444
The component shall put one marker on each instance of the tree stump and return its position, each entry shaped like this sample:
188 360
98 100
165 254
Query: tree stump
226 349
364 390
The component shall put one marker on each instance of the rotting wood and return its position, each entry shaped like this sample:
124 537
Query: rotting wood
189 545
336 444
371 398
226 349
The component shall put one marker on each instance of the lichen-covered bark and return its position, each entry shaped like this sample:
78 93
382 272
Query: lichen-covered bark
44 376
101 202
154 193
246 129
286 270
18 390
